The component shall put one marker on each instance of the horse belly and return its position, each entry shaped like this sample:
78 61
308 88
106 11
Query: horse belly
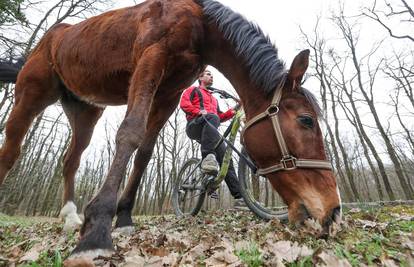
111 91
108 89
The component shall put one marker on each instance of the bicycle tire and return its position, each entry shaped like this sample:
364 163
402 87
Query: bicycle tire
257 207
189 170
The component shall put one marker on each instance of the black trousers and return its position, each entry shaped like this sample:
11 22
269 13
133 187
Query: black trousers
199 130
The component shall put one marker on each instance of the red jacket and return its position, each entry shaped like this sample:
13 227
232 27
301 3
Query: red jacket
190 104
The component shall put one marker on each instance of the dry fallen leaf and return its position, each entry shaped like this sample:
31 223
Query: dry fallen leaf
389 263
169 260
403 217
157 240
33 253
223 254
332 260
133 259
354 210
370 224
191 256
285 250
314 226
407 243
279 248
178 240
334 229
15 252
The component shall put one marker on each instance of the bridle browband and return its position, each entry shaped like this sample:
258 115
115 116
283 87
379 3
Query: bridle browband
288 162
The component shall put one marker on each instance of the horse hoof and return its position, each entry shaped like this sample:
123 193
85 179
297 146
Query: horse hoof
95 235
124 219
126 230
76 262
89 255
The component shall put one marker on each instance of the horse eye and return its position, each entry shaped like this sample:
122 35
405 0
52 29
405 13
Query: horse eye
306 121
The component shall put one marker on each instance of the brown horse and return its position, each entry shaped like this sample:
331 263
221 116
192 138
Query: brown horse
144 56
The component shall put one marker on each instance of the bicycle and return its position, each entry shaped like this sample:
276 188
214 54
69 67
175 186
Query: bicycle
192 184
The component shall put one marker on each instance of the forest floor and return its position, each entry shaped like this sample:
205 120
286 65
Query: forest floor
381 236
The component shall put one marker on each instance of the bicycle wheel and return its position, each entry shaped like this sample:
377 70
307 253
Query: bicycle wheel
259 194
189 191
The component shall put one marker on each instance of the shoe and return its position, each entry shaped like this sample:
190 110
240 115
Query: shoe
210 164
239 204
214 195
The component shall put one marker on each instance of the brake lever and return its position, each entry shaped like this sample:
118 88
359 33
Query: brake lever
224 95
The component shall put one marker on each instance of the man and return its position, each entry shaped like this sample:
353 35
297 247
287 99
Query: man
198 102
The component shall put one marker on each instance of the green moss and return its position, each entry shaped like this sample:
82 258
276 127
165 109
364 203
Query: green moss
6 220
47 258
305 262
344 253
250 256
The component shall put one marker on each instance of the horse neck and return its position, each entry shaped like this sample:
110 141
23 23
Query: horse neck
219 53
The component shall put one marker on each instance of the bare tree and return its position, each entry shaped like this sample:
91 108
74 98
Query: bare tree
367 93
404 13
324 76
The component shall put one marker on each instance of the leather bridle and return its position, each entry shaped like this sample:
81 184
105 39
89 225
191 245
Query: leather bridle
288 161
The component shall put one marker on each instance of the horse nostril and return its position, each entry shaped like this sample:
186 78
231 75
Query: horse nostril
336 214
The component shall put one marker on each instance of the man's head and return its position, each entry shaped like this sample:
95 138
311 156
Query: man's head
206 78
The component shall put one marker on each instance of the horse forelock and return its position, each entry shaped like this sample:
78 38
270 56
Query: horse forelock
260 56
311 98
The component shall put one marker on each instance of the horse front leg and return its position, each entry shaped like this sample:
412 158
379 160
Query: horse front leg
96 229
158 117
126 202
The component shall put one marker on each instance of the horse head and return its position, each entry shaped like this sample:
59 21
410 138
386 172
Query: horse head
285 140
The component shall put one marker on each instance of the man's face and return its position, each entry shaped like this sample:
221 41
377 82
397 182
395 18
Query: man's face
206 78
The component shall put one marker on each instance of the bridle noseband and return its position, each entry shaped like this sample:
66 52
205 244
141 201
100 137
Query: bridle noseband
288 162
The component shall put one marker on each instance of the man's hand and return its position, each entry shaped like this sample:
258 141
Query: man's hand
237 107
202 112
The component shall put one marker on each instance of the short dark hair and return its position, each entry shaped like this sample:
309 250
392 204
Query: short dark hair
201 73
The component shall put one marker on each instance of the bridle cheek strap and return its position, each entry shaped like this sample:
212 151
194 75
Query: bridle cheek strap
288 162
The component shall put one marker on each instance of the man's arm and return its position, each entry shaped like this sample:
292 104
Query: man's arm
224 116
186 105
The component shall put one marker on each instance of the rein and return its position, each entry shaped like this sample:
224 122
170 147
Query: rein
288 161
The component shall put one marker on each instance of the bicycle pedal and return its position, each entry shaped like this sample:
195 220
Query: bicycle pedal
208 180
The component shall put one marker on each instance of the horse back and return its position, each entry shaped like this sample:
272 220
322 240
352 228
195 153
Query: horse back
97 56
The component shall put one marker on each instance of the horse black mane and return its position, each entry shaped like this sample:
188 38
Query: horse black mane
250 43
259 53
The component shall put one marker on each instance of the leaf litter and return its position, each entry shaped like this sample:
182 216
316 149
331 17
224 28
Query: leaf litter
382 237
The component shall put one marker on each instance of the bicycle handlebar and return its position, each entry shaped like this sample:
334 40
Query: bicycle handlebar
224 94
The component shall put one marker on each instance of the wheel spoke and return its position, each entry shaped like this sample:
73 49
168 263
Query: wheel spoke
259 195
189 192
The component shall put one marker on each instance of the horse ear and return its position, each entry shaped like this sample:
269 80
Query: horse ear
299 66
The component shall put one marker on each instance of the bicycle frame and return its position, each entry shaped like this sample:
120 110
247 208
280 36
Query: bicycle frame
232 131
